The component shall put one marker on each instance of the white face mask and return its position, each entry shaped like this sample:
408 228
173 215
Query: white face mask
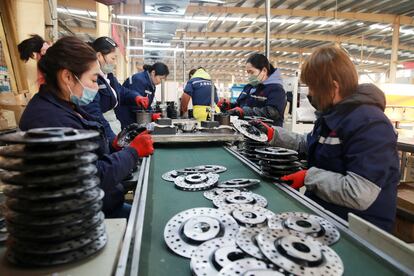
107 67
88 94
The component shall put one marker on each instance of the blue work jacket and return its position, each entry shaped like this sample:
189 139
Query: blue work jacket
199 90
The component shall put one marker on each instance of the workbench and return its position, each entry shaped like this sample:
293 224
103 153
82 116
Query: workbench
144 252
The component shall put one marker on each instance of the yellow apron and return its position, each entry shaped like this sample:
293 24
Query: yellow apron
200 112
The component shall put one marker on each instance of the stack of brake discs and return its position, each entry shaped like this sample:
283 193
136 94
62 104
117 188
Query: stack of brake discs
53 206
275 162
249 149
3 229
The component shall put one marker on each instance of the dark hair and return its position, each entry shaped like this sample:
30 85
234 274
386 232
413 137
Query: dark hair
260 62
324 66
160 69
29 46
192 71
104 45
69 53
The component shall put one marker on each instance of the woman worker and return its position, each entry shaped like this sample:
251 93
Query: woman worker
264 95
198 88
71 70
352 154
111 93
143 84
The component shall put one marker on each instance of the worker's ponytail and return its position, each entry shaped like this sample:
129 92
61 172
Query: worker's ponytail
160 69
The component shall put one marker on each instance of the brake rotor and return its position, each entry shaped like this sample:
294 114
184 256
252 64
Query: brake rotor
250 131
210 194
246 240
211 168
243 266
188 229
318 228
238 183
240 198
35 193
248 215
196 182
298 253
170 176
278 160
21 165
278 166
263 272
213 255
276 151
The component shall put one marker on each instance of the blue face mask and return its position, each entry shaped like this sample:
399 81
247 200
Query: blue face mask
88 95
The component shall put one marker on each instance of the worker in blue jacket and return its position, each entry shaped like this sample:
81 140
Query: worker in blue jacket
71 70
198 89
111 93
143 84
352 150
264 95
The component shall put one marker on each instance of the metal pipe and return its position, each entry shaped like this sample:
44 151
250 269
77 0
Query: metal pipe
394 49
267 44
212 109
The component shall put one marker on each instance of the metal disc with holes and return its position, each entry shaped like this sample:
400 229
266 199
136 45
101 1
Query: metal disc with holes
246 240
210 194
170 176
21 165
278 166
264 272
241 267
317 227
238 183
298 253
211 168
28 153
75 203
56 259
284 160
250 131
57 248
35 193
196 182
70 176
248 215
188 229
213 255
50 135
240 198
276 151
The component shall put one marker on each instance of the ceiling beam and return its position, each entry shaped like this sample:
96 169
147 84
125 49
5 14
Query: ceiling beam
369 17
89 5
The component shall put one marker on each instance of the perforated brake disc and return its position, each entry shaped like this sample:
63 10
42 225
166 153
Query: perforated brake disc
298 253
172 175
248 215
185 231
250 131
196 182
317 227
245 267
211 168
238 183
210 194
240 198
246 241
263 272
276 151
213 255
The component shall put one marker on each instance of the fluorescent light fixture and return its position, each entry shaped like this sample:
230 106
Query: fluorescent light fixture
75 11
162 19
155 48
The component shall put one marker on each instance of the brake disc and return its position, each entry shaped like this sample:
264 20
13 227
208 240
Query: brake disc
246 240
211 168
213 255
238 183
243 266
319 228
298 253
263 272
250 131
278 166
210 194
36 193
240 198
278 159
248 215
188 229
276 151
170 176
196 182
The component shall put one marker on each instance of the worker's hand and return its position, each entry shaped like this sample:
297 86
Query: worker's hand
127 135
155 116
142 101
143 144
223 104
263 127
237 111
296 179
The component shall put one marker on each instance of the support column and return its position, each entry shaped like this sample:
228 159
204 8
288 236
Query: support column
267 40
103 28
394 49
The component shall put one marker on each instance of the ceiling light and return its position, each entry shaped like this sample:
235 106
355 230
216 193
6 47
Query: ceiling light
75 11
162 19
155 48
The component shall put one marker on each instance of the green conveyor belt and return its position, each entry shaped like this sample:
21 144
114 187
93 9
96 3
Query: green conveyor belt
164 201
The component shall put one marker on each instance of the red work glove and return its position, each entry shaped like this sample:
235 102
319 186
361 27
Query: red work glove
155 116
223 104
238 111
142 101
115 145
297 179
263 127
143 144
